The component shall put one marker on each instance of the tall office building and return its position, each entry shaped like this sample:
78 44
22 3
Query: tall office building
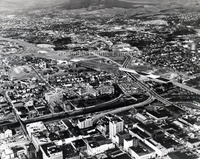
116 124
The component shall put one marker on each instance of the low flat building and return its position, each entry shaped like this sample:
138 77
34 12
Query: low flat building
7 154
51 151
38 133
142 118
192 143
139 134
158 115
149 129
140 150
98 144
84 123
69 152
182 155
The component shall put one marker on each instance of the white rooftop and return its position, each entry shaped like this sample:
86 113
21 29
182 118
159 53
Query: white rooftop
36 127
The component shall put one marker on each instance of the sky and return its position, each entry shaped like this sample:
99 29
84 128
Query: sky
24 4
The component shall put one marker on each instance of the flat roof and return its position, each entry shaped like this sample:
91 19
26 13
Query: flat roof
67 123
97 141
151 128
131 138
183 155
175 109
195 140
68 151
36 127
122 133
79 143
140 133
64 134
142 149
116 119
94 144
122 156
166 142
159 114
50 148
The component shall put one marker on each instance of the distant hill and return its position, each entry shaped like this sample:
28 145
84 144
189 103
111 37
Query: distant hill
76 4
65 4
15 5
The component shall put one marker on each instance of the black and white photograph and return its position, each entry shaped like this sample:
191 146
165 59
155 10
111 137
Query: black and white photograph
99 79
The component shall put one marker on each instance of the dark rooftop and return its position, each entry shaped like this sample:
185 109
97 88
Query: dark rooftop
151 128
140 133
123 156
64 134
50 148
116 119
79 143
182 155
67 123
195 140
69 151
159 114
166 142
142 149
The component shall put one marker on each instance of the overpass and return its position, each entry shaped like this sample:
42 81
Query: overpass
130 72
118 110
151 91
188 88
157 79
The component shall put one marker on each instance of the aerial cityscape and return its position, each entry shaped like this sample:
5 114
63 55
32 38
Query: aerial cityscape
100 79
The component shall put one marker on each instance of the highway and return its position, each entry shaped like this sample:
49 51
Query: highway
80 111
90 109
180 85
144 86
95 108
126 93
118 110
183 86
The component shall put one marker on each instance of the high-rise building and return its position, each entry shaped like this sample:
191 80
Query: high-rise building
116 125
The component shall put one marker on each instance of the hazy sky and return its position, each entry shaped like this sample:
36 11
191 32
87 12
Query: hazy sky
24 4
